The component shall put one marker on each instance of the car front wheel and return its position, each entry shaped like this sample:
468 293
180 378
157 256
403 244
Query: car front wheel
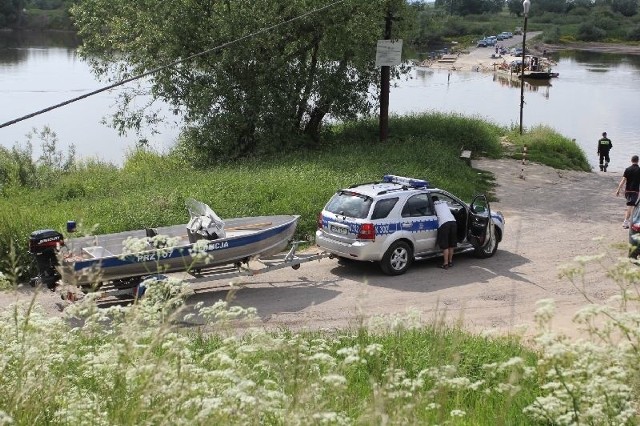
397 258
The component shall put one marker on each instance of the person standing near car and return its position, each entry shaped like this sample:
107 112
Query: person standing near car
631 181
447 237
604 146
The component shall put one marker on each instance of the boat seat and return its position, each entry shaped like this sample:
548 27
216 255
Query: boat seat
96 252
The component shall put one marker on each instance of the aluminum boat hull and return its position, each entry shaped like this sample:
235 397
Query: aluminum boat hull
102 258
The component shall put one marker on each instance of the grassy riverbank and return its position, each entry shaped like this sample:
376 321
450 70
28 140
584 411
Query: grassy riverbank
150 189
144 367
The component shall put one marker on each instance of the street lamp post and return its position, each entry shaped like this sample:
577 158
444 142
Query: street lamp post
525 5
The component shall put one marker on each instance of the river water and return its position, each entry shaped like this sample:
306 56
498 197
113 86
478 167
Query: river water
594 93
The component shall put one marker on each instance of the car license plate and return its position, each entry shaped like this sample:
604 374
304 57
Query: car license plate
339 229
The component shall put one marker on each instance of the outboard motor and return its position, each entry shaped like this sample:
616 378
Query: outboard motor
44 246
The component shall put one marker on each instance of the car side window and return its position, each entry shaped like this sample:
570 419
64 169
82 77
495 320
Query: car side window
417 206
383 208
453 204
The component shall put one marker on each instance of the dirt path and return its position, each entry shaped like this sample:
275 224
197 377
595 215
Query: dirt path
551 217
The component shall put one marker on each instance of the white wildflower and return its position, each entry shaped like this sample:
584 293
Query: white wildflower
322 358
457 413
373 349
5 419
332 418
335 380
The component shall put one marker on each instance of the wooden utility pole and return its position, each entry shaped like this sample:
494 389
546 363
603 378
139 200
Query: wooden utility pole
385 77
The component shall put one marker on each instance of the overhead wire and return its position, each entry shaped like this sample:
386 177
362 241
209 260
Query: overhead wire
171 64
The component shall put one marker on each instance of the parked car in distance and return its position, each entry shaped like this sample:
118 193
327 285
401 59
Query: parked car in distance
518 31
482 43
634 232
505 35
393 222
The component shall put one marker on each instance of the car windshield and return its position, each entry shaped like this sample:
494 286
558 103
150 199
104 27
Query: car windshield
350 204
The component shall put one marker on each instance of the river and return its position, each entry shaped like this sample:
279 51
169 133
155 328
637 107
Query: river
595 92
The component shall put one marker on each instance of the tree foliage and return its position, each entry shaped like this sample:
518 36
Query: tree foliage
625 7
253 89
470 7
10 12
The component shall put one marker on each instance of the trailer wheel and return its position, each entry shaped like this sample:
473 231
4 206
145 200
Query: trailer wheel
296 266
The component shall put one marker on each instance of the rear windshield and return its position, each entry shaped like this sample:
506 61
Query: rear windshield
350 204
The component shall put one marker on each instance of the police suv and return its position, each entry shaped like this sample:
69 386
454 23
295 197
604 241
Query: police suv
393 222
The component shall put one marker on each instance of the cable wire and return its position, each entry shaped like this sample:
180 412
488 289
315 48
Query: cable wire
176 62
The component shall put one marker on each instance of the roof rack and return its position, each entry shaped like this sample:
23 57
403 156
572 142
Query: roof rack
406 181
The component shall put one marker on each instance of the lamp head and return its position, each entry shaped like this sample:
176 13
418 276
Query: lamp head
525 5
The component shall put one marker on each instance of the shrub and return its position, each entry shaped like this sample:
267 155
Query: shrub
634 34
552 36
589 32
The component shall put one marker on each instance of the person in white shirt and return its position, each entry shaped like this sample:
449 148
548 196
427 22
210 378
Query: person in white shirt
447 238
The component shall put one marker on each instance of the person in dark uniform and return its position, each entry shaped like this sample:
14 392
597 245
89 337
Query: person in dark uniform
631 181
604 146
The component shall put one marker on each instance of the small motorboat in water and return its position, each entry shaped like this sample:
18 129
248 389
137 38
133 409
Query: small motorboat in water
125 258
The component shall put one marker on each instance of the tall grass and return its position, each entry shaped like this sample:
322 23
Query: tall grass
546 146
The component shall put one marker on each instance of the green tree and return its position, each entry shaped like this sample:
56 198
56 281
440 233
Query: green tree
515 7
11 13
625 7
590 32
555 6
249 93
470 7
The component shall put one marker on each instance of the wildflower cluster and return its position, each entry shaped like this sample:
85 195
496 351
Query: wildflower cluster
593 380
137 364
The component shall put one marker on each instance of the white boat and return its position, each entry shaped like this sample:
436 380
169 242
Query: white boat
124 258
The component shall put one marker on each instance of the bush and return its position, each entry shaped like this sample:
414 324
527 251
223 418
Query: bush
634 34
552 36
589 32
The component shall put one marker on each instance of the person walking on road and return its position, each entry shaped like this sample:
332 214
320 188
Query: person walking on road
604 146
447 237
631 181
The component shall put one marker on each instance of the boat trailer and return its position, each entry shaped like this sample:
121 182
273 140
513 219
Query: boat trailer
118 293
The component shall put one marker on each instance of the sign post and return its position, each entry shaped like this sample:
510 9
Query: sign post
388 54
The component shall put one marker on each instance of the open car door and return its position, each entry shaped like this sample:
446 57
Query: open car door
479 227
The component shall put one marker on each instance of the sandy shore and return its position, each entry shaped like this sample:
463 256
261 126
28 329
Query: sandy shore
480 58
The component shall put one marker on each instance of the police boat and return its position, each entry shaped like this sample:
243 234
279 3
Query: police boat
124 259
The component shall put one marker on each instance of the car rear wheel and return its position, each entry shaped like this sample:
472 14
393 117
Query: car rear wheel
492 246
397 259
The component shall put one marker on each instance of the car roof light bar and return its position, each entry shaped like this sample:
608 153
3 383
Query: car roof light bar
401 180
